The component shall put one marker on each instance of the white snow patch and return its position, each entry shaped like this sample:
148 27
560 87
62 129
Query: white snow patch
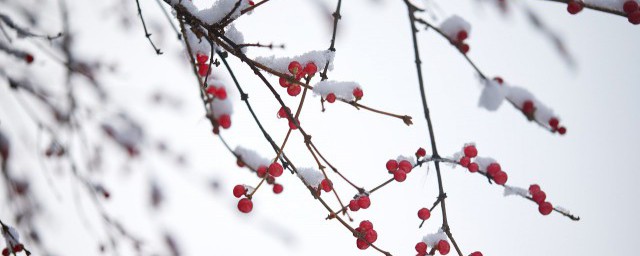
311 176
432 239
454 24
342 90
251 158
281 64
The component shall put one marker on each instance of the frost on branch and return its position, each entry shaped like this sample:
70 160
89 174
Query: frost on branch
311 176
340 90
281 64
251 158
513 190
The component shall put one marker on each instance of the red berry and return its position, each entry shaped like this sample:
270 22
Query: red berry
424 214
464 48
201 58
371 236
562 130
282 113
358 93
245 205
498 79
310 68
292 125
400 176
5 252
392 165
528 108
500 177
421 247
295 67
326 185
539 196
275 169
630 6
421 152
354 206
270 180
364 202
362 244
634 17
545 208
443 247
533 188
493 168
18 248
239 190
470 151
574 7
277 188
284 82
464 161
331 98
28 58
203 69
211 90
405 166
475 254
221 93
252 3
224 121
473 167
262 171
366 225
294 90
553 122
239 163
462 35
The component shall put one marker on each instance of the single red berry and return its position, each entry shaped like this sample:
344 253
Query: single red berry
224 121
295 67
310 68
443 247
292 125
473 167
277 188
275 169
221 93
500 177
354 206
362 244
464 48
28 58
462 35
493 168
326 185
421 152
270 180
245 205
284 82
553 122
371 236
533 188
18 248
239 190
421 247
424 214
203 69
331 98
475 254
294 90
634 17
399 176
262 171
282 113
574 7
405 166
211 90
239 163
366 225
5 252
464 161
545 208
252 3
392 165
364 202
201 58
498 79
358 93
528 108
470 151
630 6
539 196
562 130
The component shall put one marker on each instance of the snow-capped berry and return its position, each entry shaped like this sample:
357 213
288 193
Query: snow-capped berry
295 67
443 247
275 169
28 58
493 168
562 130
421 247
574 7
366 225
399 176
392 165
292 125
358 93
331 98
282 113
464 161
464 48
239 190
528 108
370 236
262 171
294 90
284 82
277 188
553 122
405 166
545 208
362 244
500 177
498 79
634 17
533 188
354 206
539 196
424 214
462 35
221 93
203 69
364 202
245 205
421 152
224 121
470 151
475 254
326 185
201 58
473 167
310 69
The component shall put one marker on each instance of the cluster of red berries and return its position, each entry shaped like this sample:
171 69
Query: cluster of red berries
493 170
245 205
15 249
575 6
360 202
282 113
203 67
442 247
539 197
632 10
298 72
399 169
357 93
262 172
459 41
217 92
555 126
366 235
